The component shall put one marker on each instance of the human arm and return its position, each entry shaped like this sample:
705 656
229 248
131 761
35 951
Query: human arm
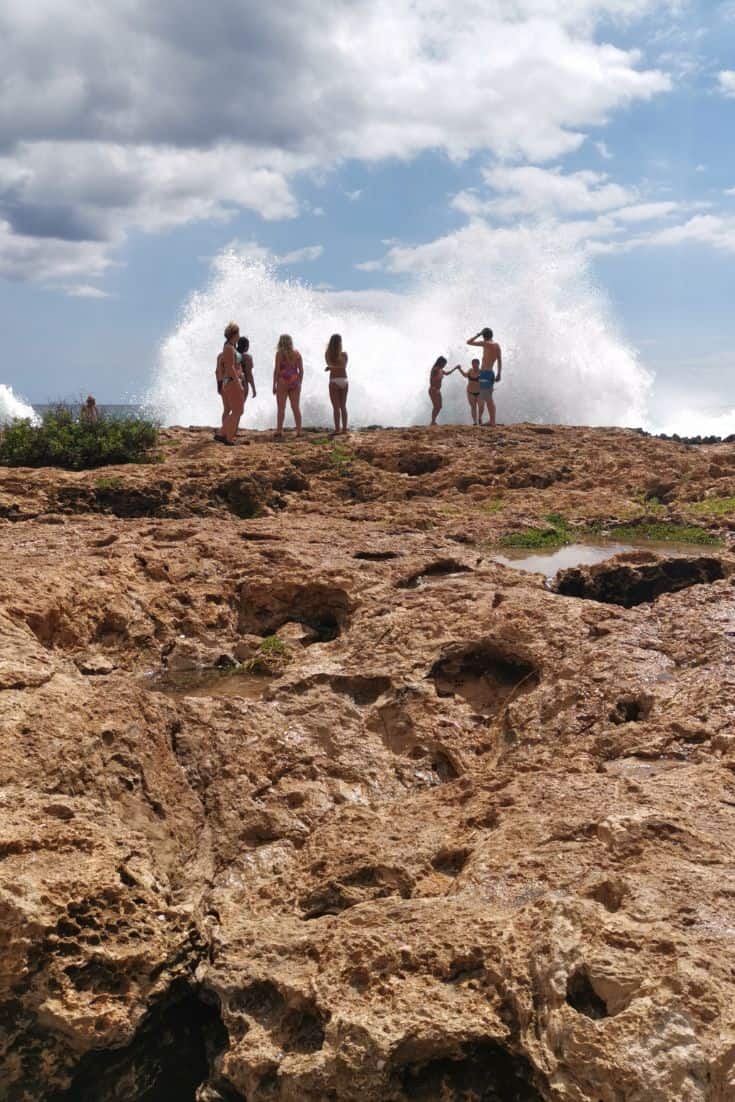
276 366
300 367
500 365
230 369
476 341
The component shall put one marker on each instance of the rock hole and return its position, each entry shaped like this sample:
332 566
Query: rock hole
241 496
485 675
168 1060
482 1071
296 1027
635 583
418 463
437 569
363 690
631 709
375 556
583 998
322 607
609 893
450 862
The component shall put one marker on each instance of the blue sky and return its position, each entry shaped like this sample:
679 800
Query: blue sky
135 144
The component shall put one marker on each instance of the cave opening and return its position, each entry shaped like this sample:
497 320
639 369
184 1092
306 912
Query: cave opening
170 1057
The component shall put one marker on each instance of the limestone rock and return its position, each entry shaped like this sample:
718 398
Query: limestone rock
473 839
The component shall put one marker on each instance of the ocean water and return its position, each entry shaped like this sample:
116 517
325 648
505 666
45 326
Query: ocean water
564 359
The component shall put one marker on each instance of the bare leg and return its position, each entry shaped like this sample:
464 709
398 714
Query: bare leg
334 393
232 418
294 397
436 403
473 407
480 405
343 406
280 409
491 409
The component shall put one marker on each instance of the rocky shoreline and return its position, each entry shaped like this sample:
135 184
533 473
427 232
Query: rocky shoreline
408 823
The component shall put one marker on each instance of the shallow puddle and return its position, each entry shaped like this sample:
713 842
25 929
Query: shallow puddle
639 769
551 562
223 684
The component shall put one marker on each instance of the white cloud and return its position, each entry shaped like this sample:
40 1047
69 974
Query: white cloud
542 192
353 196
85 290
301 256
114 117
604 151
726 82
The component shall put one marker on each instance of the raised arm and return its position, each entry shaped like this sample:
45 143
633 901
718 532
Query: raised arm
476 341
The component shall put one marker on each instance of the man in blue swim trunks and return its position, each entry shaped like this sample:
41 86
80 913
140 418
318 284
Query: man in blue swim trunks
491 355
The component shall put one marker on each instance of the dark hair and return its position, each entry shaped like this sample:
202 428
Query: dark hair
487 334
333 348
441 362
475 362
243 344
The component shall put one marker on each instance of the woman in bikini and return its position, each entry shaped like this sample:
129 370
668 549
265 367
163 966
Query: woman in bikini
473 389
435 386
229 384
336 359
288 374
246 366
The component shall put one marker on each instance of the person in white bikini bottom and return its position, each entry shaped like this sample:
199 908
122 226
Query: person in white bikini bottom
336 360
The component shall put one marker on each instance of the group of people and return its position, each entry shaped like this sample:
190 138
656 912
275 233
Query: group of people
235 381
481 379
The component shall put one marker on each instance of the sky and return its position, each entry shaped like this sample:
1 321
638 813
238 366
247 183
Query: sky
357 144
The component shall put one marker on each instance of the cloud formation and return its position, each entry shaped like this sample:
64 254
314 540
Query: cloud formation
139 115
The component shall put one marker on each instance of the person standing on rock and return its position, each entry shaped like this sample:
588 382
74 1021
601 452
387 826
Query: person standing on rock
473 388
336 359
288 375
436 378
491 355
246 366
229 384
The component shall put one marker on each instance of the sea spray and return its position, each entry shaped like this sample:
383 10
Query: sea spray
563 361
13 408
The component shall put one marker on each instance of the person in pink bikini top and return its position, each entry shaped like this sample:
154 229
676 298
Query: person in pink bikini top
288 374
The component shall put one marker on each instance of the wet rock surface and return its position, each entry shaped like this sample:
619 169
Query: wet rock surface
470 839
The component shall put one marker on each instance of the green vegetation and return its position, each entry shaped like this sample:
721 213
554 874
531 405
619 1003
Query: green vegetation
112 483
62 440
556 534
662 532
495 506
272 655
340 459
714 506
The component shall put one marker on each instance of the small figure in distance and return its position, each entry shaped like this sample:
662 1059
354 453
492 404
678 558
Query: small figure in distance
89 411
229 384
246 366
336 359
473 388
435 386
491 355
288 374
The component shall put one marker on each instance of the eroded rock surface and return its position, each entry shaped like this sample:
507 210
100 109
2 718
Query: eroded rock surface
468 838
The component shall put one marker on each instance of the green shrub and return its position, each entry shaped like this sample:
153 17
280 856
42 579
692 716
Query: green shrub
62 440
715 506
662 532
557 534
271 656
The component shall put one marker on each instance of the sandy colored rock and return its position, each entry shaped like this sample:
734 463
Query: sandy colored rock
451 833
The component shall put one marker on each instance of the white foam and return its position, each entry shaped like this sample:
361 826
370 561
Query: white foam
563 360
12 408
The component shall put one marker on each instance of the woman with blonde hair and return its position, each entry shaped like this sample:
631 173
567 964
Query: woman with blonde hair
229 384
336 360
288 374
